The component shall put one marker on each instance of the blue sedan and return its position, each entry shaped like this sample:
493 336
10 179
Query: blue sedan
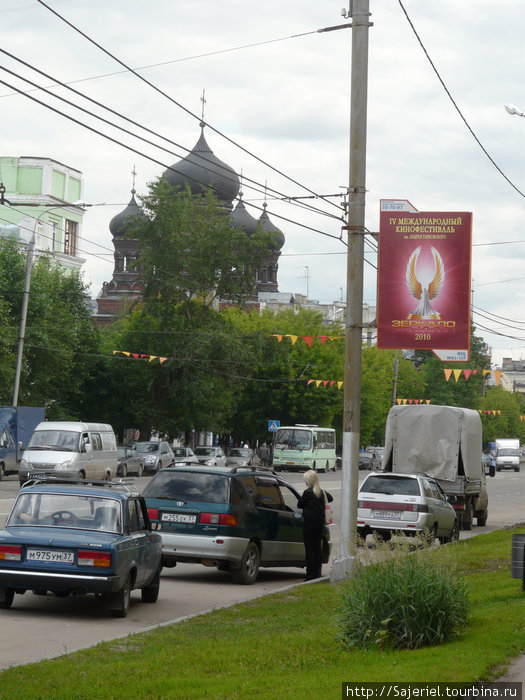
80 538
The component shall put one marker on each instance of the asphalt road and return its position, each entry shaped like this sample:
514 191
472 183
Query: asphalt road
39 627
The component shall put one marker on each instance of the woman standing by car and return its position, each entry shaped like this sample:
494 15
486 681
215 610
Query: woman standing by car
313 506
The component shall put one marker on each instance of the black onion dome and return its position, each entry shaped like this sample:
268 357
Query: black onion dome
268 226
202 168
243 219
120 223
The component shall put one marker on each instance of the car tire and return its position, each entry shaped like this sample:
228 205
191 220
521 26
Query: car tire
248 570
118 603
468 516
6 597
150 593
454 534
123 470
482 519
139 470
2 471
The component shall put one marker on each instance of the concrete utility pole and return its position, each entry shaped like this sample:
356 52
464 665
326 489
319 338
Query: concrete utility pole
344 564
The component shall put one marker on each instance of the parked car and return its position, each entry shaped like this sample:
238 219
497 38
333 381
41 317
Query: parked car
411 504
369 460
210 456
184 455
157 455
129 462
71 538
240 457
233 518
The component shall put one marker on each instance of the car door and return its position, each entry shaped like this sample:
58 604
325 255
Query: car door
282 535
140 544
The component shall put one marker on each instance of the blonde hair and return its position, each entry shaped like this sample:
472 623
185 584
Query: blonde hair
312 482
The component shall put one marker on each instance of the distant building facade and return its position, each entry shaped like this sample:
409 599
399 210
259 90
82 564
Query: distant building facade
39 196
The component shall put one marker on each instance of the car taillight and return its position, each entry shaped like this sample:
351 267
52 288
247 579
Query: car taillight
218 519
94 558
10 552
153 513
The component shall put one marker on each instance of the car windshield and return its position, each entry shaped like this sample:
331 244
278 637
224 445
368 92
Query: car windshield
507 451
240 452
293 439
147 446
189 486
204 451
180 452
65 440
66 510
391 485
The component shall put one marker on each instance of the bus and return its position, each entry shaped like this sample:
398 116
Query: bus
302 447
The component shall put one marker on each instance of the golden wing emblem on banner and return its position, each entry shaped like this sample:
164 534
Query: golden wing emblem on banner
422 291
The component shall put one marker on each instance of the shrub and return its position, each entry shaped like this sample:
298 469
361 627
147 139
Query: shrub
403 601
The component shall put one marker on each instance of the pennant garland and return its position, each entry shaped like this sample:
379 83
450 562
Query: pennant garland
325 383
490 412
139 356
496 373
404 402
307 338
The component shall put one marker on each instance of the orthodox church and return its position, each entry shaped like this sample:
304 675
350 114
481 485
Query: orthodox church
199 169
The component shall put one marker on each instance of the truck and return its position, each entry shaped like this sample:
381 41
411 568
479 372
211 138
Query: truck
16 427
443 442
508 454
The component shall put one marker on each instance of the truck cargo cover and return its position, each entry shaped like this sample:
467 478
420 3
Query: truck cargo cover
435 440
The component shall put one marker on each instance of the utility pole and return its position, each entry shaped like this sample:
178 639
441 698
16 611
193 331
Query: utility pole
344 564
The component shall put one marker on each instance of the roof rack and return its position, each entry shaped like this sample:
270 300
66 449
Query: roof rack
251 468
126 484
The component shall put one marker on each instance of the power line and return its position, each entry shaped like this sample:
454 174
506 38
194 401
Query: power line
178 104
455 104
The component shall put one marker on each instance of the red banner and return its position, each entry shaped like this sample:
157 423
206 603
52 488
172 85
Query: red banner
423 299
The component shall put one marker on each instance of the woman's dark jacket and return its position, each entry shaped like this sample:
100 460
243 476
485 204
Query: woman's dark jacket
313 506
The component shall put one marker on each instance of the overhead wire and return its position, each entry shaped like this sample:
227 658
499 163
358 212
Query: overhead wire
178 104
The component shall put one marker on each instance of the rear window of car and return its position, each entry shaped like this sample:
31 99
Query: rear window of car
189 486
391 485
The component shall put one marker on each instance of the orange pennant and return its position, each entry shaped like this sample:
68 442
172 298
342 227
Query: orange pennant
447 372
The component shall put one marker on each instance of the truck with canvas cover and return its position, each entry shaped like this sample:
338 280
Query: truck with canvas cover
445 443
16 427
508 454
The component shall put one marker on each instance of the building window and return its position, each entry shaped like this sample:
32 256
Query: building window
70 237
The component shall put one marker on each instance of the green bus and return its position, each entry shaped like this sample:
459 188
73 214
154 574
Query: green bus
301 447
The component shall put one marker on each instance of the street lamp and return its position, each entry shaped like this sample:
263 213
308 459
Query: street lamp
512 109
25 296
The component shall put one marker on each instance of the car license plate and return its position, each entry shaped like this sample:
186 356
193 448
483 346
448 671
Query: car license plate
50 555
289 462
386 514
188 518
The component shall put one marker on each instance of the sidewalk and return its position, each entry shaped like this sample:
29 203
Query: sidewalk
516 672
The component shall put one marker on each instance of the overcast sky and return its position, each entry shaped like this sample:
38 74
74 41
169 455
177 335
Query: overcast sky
281 91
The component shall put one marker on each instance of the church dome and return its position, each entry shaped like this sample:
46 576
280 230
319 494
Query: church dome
268 226
201 168
120 223
243 219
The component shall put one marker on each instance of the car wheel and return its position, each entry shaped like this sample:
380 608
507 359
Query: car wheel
151 592
2 471
159 466
249 569
81 475
454 534
118 603
139 470
123 470
468 516
482 519
6 597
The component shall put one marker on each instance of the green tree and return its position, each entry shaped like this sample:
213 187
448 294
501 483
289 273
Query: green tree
60 340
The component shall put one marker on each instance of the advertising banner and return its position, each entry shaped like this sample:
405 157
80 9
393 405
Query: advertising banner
423 299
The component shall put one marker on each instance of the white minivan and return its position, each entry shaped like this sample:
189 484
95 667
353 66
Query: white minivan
71 450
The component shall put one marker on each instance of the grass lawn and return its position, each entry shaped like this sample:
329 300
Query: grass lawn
285 645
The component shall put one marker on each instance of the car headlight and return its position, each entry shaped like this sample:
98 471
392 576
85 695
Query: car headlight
64 465
208 462
24 464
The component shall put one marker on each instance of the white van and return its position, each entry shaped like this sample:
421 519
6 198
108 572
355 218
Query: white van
71 450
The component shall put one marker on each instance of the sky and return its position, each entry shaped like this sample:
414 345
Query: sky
278 89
